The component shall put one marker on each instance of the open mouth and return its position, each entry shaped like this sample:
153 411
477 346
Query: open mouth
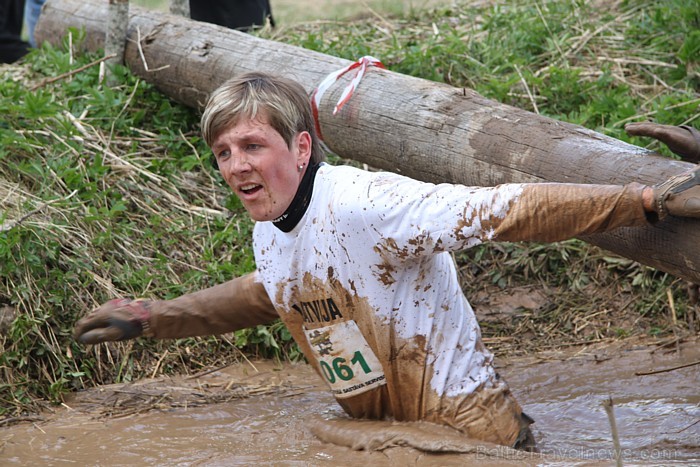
250 189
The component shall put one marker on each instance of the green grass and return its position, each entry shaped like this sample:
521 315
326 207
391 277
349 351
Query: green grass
110 192
105 192
579 63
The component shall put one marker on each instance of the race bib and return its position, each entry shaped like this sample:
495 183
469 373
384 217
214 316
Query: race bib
347 362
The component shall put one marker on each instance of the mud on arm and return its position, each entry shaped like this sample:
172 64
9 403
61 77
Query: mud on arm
239 303
550 212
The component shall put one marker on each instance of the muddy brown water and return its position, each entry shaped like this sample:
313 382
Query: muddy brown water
657 415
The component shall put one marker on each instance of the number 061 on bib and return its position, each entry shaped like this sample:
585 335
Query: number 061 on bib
347 362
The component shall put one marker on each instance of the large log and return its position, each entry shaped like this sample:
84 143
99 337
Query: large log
425 130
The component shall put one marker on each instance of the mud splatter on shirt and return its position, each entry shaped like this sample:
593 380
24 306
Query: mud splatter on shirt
373 249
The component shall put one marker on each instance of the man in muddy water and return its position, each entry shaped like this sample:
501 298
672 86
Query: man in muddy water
357 264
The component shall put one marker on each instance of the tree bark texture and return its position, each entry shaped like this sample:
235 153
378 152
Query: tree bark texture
422 129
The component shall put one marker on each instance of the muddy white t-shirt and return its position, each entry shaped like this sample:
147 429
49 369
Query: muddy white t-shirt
366 285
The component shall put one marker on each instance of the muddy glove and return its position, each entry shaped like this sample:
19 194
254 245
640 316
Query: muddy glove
116 320
682 140
679 195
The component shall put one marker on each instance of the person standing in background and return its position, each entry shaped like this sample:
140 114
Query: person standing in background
12 47
241 15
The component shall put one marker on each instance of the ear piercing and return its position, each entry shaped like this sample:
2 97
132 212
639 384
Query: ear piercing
301 167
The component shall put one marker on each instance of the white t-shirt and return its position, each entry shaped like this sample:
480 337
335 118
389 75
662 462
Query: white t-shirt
367 286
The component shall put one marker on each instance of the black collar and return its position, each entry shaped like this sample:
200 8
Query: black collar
291 217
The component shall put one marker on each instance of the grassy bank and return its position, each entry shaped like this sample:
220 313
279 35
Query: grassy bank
110 192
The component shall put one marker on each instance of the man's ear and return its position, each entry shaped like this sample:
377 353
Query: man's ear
303 147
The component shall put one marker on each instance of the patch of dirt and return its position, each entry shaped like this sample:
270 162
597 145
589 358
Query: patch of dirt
497 307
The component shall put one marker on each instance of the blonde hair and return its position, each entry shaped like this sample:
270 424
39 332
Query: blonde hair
284 102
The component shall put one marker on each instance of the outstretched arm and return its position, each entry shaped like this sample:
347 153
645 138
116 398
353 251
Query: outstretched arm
549 212
236 304
556 212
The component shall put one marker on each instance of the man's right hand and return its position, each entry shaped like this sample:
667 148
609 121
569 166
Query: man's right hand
683 140
116 320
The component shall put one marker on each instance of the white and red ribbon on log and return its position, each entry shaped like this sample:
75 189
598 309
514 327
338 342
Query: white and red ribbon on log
360 66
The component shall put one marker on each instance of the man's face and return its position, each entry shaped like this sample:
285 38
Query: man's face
257 164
